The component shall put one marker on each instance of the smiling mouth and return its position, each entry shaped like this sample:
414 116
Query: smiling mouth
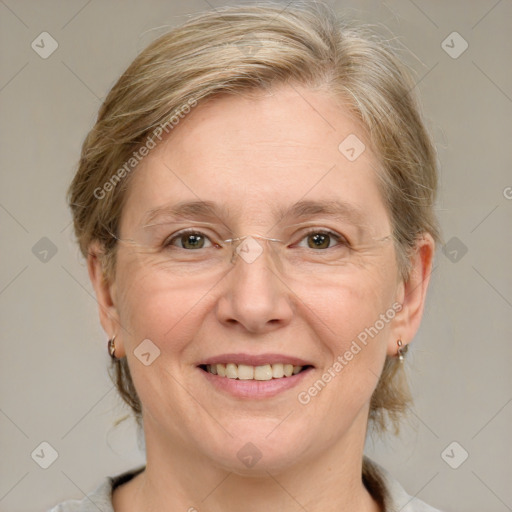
248 372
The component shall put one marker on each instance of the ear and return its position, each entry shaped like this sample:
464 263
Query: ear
105 296
412 294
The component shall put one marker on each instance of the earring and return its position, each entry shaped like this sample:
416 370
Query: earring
400 351
112 347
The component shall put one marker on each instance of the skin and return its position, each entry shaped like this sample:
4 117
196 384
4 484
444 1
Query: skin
254 152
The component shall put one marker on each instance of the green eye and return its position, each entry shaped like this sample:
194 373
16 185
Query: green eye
319 241
190 240
323 240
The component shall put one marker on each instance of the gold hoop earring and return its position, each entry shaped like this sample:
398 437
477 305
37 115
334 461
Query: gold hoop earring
112 347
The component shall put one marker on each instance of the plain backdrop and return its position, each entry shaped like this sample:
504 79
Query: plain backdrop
53 366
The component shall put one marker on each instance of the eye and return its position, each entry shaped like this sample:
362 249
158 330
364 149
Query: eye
189 239
322 239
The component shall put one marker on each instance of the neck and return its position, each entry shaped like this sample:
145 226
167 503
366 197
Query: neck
181 479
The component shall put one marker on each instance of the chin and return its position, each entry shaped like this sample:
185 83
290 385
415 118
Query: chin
256 454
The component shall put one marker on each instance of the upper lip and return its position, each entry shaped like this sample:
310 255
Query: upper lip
255 360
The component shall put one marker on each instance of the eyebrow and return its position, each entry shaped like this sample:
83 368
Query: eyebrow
306 208
185 210
334 208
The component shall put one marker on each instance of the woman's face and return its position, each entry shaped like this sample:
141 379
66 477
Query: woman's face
314 301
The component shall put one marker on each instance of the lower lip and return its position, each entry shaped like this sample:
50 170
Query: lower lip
255 388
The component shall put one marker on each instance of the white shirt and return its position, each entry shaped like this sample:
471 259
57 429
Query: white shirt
378 480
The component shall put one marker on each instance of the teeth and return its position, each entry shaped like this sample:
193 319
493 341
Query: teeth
221 369
263 372
212 368
231 371
278 371
247 372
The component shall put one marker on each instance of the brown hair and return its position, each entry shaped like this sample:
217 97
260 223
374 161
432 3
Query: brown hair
238 49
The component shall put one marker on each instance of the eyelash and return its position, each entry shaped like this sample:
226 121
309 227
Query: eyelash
338 238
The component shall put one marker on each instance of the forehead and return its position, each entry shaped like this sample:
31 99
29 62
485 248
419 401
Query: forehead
259 155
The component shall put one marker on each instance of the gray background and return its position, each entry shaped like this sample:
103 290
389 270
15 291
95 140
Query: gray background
54 384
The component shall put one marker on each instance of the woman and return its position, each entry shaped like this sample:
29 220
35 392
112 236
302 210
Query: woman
255 203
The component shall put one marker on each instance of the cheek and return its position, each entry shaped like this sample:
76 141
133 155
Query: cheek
344 307
352 321
153 306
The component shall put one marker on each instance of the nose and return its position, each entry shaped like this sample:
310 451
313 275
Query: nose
255 296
